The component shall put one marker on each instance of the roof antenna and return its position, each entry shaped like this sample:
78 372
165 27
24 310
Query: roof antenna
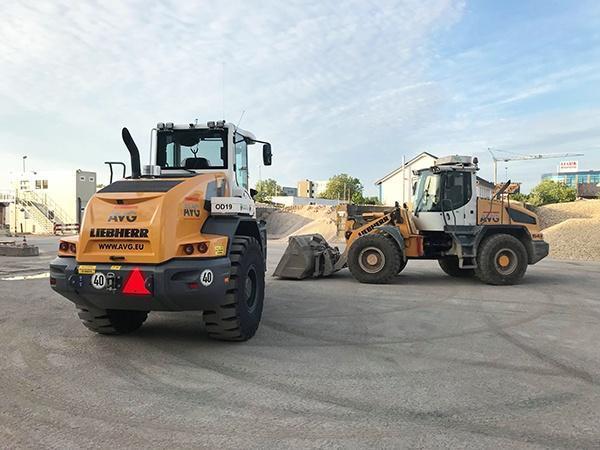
240 121
223 89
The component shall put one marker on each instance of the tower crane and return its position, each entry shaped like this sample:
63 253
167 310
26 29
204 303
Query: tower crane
516 157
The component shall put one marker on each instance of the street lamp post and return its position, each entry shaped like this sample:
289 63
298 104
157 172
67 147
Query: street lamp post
24 158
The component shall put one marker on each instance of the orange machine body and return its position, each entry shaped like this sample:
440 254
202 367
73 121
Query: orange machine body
150 227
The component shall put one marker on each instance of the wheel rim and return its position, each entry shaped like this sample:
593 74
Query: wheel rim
505 261
371 259
250 288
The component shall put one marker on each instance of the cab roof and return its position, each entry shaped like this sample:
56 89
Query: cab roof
207 125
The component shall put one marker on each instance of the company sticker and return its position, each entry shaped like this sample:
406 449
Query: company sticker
492 217
86 270
219 250
191 210
123 213
115 267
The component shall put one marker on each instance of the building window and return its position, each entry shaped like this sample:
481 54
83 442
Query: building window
82 178
91 179
41 184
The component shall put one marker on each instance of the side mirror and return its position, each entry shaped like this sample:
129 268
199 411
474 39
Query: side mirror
267 154
253 193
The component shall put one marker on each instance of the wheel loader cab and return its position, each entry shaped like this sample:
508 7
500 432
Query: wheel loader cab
178 150
446 194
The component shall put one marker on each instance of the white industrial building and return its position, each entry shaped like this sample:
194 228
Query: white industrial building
295 201
40 202
397 186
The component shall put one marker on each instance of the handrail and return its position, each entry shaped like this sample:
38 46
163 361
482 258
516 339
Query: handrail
47 206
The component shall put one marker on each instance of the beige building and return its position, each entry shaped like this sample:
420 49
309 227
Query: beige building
38 202
310 188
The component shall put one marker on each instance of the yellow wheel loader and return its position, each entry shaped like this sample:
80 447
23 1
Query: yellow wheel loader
494 239
179 235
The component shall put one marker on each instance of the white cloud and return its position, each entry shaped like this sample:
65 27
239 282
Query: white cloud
335 86
307 73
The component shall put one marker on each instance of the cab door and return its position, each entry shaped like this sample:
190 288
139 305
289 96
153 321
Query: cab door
459 204
445 198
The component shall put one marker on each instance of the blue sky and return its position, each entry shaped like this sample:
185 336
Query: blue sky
347 86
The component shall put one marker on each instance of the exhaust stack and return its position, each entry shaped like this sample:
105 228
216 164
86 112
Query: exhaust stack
133 151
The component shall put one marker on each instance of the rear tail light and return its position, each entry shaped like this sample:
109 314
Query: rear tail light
52 281
67 247
203 247
188 249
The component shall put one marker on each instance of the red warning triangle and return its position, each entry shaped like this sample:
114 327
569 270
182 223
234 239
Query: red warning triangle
136 285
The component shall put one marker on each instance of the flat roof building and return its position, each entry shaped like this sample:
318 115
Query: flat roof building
572 179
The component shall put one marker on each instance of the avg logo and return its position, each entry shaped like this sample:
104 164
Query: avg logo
122 216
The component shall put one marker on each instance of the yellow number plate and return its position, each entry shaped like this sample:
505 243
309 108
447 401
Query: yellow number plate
86 270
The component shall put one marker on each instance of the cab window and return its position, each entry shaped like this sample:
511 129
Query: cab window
192 149
241 160
457 189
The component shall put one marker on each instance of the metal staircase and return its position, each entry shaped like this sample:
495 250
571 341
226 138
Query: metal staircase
43 210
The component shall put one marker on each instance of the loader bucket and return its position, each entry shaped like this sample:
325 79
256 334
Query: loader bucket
307 255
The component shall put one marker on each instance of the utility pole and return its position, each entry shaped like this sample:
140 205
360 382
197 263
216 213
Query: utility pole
24 158
403 179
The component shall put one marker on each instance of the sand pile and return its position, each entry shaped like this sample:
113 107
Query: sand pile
572 229
295 220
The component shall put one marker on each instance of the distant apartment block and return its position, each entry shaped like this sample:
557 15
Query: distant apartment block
310 188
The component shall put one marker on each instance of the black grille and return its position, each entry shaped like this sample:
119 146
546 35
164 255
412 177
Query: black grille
521 217
140 186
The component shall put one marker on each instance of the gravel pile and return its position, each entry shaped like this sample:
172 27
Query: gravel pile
572 229
296 220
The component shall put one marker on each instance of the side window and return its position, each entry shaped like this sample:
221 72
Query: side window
457 188
241 161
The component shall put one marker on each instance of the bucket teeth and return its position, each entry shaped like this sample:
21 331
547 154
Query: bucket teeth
308 255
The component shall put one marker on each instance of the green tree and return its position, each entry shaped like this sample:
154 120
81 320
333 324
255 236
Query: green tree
520 197
550 191
266 189
370 201
343 187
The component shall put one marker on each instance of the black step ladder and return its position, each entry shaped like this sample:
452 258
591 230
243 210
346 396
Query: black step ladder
465 237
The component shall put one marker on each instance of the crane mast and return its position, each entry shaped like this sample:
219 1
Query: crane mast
526 158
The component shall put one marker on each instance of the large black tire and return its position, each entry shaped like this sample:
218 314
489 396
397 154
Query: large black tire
111 321
501 260
238 314
374 258
449 265
403 263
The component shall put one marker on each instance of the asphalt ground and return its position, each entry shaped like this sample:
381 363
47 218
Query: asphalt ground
429 361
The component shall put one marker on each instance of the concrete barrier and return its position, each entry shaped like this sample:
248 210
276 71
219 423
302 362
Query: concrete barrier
13 249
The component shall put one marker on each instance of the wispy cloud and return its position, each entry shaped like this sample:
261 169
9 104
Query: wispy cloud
305 72
345 86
